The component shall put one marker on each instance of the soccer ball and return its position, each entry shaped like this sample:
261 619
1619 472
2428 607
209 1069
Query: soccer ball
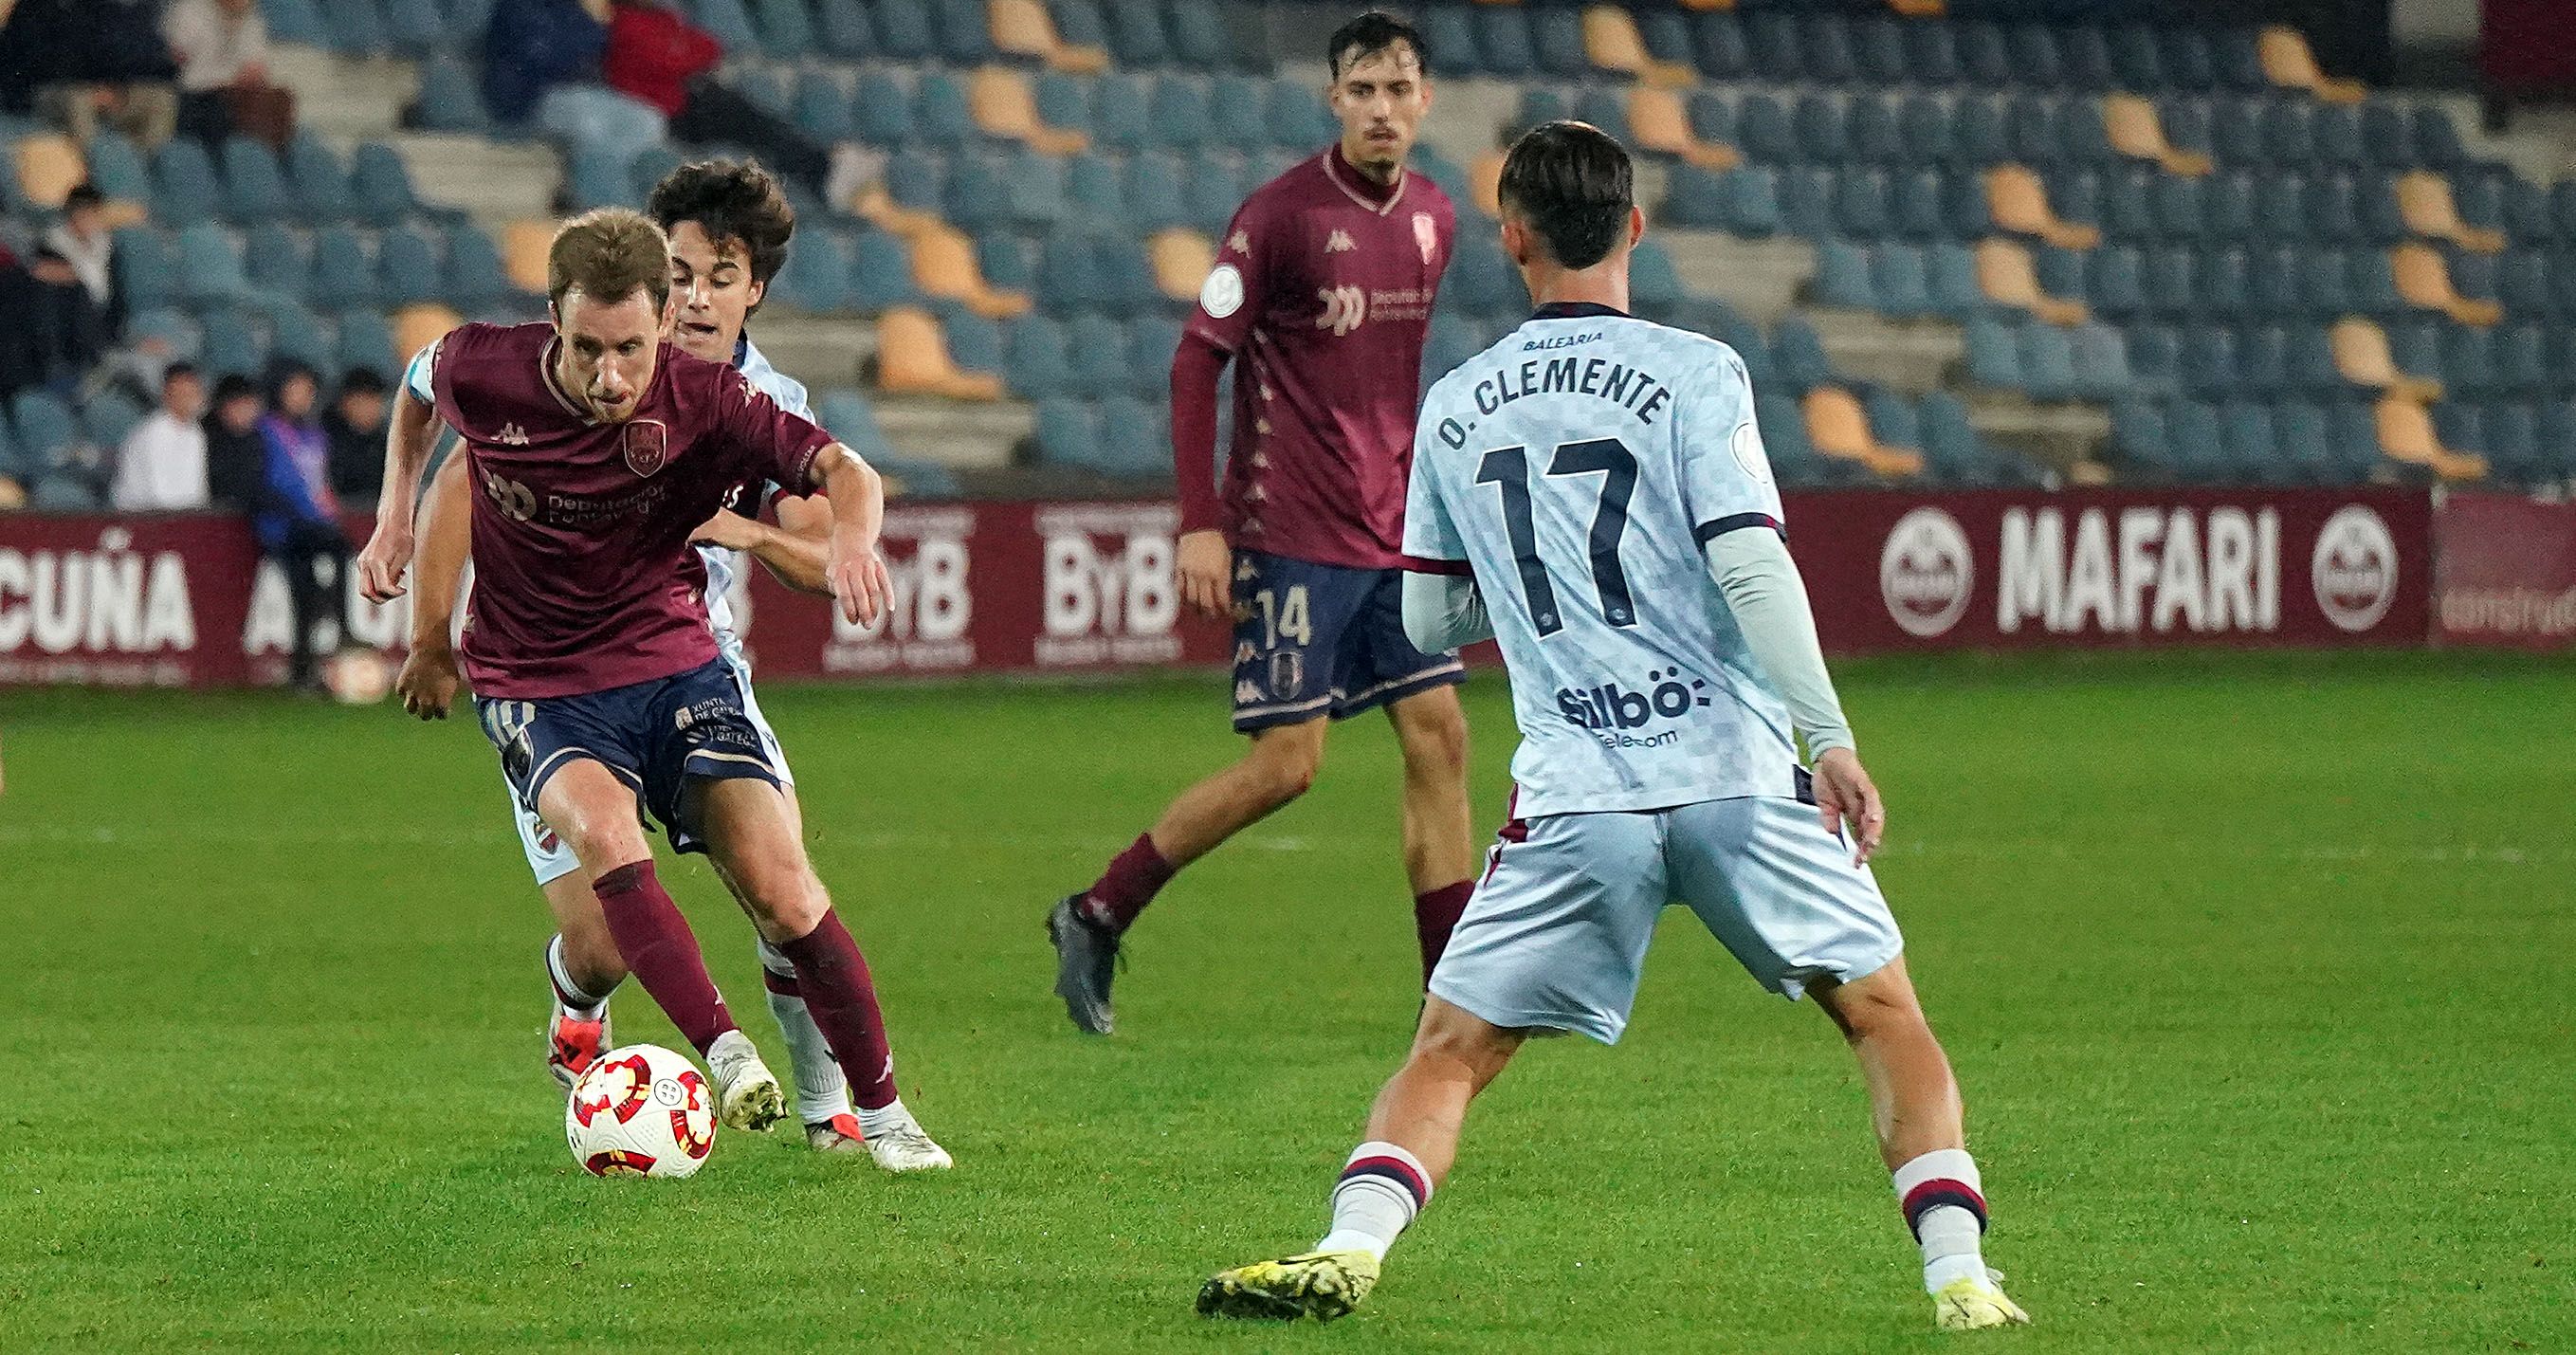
640 1110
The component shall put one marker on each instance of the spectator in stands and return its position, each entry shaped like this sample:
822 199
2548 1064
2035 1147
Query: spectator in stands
541 63
356 427
236 457
83 63
54 332
82 238
162 465
222 48
298 517
658 58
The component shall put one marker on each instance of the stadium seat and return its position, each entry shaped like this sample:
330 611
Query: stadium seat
2332 209
1931 54
2132 127
1098 357
1983 57
2193 442
275 262
1137 39
2249 441
1977 136
380 185
231 345
816 276
1800 355
845 31
880 273
297 335
962 30
1870 132
1211 194
2155 358
417 327
185 190
209 270
1036 363
1919 207
2047 362
2407 434
1843 275
728 22
2424 280
2031 131
449 100
913 357
945 266
1838 428
1807 202
1753 202
787 29
1178 115
1557 46
2426 204
1121 112
1763 130
1994 353
2018 202
1817 124
1658 122
822 110
46 431
1901 278
254 184
1616 41
1860 204
1777 47
1922 129
2100 361
2288 64
408 267
2007 277
2263 355
344 272
941 116
355 28
881 111
1067 434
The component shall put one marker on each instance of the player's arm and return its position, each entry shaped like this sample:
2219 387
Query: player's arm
1229 302
408 435
853 570
429 675
1442 607
1444 611
795 552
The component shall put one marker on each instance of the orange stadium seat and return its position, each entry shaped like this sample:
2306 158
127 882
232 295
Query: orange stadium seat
417 327
1920 9
912 359
943 265
2135 131
1705 5
49 168
1485 183
2362 355
12 494
1181 258
878 208
2424 201
2406 434
1838 427
523 254
2424 280
2007 276
2289 64
1024 28
2019 203
1660 123
1611 40
1005 106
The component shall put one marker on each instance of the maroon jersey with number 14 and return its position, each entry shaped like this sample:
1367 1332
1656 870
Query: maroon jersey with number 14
583 575
1322 290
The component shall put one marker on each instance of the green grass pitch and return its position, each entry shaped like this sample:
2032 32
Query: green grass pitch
2256 971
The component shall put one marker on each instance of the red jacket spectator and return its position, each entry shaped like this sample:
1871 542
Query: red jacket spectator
653 54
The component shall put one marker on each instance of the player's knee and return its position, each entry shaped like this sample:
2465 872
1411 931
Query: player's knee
1874 1011
1286 770
1435 745
1466 1045
787 901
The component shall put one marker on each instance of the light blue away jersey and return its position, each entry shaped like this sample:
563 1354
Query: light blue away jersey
1576 467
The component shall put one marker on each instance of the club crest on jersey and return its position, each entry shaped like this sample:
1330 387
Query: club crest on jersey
1426 234
648 445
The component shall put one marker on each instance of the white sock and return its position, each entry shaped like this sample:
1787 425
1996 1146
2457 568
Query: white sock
1936 1191
1382 1188
570 996
821 1091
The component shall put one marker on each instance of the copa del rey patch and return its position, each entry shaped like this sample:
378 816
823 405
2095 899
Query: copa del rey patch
1426 234
648 446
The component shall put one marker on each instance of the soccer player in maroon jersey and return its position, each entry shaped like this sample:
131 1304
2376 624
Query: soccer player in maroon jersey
1321 294
597 450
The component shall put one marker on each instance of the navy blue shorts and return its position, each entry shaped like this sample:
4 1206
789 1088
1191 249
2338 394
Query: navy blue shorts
1316 640
654 735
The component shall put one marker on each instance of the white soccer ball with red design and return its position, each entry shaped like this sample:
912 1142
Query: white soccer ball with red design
641 1110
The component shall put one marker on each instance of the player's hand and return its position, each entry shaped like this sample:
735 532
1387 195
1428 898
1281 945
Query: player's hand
1846 799
381 564
1206 570
858 578
428 682
727 530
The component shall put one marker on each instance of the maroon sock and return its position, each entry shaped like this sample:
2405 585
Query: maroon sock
1123 890
658 946
782 984
842 999
1435 915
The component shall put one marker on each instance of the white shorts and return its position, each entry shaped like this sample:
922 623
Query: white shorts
1557 932
550 860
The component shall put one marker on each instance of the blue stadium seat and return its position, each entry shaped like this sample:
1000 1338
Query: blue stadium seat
1450 32
1742 335
964 29
1136 36
2155 358
1067 435
1238 110
2140 432
595 177
2209 365
1151 342
1784 437
1064 101
1719 44
2187 125
1825 49
297 335
344 273
2558 438
147 267
1763 130
450 99
847 32
2280 206
2332 209
2248 441
1135 439
1861 208
1095 193
45 427
2526 211
357 28
2385 135
2263 358
2136 66
1036 182
2473 275
2437 138
1212 193
2337 131
2461 426
2116 283
275 263
295 21
1952 451
786 28
1539 106
1920 208
1037 364
1955 292
2031 132
2035 58
118 169
2326 282
822 109
1154 192
1994 353
2523 283
1817 122
2129 204
979 192
476 279
2288 140
2225 286
1079 23
1977 135
1122 110
2228 207
2184 58
916 181
880 273
1653 282
1777 47
1871 134
1807 202
1983 58
1923 131
2236 133
974 343
2235 61
1878 52
1753 202
1606 109
320 181
1892 419
1902 282
408 265
232 345
209 269
1009 261
1179 114
881 110
729 23
2101 361
1931 54
1695 197
185 190
2513 441
254 184
380 185
2468 359
817 274
1098 361
2082 134
1800 355
1556 43
2047 362
940 113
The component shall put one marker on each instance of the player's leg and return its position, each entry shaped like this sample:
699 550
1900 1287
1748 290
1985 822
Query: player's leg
583 967
1439 859
1783 895
1554 940
1278 767
748 833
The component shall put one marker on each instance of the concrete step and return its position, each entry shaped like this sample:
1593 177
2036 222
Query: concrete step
823 351
2068 436
1912 356
959 435
346 101
495 181
1761 278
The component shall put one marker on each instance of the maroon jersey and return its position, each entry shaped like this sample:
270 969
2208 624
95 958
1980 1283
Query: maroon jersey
1322 290
583 575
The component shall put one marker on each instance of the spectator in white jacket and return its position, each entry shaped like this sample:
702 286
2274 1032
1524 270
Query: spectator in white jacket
162 465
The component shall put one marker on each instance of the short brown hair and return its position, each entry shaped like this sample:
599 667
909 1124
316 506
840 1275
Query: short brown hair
609 255
735 200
